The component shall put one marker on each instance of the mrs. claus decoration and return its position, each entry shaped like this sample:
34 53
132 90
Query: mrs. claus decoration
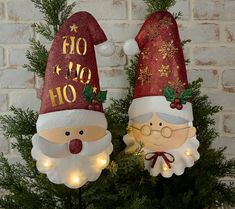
161 113
72 144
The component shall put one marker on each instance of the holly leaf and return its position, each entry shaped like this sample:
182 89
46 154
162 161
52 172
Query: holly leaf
88 93
169 93
102 96
186 95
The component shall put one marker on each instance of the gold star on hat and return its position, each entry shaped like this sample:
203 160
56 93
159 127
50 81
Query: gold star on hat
74 28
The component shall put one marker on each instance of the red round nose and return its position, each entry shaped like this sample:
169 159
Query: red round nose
75 146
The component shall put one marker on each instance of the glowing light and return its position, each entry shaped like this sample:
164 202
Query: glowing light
102 161
47 164
188 153
74 180
165 168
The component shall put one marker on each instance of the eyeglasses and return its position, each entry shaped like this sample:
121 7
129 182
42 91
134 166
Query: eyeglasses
166 131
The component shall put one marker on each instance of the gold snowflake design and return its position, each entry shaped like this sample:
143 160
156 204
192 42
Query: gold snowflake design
165 71
177 84
166 22
145 53
145 75
152 32
168 50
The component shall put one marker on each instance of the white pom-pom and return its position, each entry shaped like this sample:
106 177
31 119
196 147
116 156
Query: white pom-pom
106 49
131 47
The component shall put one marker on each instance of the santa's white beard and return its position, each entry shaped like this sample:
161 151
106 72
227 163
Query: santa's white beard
184 156
69 169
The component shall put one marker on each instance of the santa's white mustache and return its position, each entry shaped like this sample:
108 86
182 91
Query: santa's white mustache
62 150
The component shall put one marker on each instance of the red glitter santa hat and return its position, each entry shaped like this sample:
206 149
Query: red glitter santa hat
161 82
71 93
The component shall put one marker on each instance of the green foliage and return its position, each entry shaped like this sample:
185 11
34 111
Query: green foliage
178 15
55 13
169 93
102 96
37 57
158 5
88 93
125 183
130 71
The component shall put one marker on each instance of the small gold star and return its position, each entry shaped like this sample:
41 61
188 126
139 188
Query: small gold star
95 89
145 75
57 69
165 71
168 50
74 28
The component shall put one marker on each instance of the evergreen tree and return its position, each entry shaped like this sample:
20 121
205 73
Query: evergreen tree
124 184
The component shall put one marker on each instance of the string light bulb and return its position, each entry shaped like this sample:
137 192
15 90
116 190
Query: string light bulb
74 180
165 168
47 164
102 161
188 153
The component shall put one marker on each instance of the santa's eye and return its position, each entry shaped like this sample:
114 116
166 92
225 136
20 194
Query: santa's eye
67 133
160 124
151 124
81 132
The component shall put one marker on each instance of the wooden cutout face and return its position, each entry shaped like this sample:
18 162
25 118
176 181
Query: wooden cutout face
158 135
66 134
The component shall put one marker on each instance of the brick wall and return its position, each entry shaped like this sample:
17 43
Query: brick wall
209 23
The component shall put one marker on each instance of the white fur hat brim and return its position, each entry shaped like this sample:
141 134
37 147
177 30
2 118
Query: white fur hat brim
158 104
69 118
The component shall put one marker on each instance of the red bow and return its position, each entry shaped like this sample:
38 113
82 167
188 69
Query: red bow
167 157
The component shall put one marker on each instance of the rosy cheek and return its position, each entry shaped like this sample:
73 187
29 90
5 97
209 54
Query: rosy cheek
181 135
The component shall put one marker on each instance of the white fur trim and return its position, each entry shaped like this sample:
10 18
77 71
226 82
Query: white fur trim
106 49
159 104
68 118
131 47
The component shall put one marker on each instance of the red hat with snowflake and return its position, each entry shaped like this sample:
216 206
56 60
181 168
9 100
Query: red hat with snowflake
71 93
161 82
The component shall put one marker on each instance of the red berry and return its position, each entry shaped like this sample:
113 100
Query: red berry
173 105
90 107
97 107
179 106
177 101
94 101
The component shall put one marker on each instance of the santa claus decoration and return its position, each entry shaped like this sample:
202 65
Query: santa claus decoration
72 144
161 116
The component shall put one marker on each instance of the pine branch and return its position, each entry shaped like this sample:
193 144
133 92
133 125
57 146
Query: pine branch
44 29
158 5
21 123
37 56
131 72
55 11
178 15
